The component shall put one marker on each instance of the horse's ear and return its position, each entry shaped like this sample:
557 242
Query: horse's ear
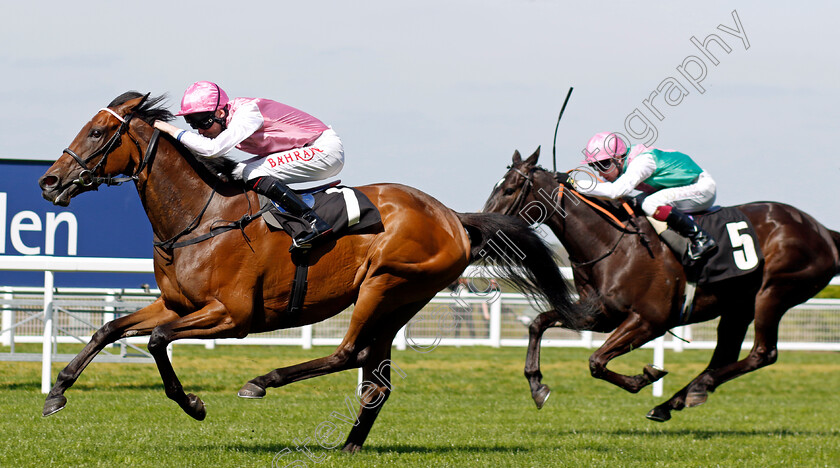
130 105
517 158
532 160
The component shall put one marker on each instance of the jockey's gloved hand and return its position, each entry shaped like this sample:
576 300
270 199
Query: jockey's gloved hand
635 202
565 179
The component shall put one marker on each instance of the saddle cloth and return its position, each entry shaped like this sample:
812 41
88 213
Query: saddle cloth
738 253
346 209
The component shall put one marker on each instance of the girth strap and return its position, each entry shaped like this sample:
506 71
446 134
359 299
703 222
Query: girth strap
299 283
240 224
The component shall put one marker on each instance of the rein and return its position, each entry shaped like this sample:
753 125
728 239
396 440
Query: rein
610 217
613 218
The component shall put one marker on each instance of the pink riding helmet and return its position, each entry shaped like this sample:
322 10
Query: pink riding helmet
604 145
203 96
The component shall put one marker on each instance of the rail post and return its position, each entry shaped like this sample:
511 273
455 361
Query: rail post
47 351
7 337
496 322
658 361
306 336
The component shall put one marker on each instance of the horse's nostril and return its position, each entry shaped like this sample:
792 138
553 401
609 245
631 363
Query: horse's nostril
48 181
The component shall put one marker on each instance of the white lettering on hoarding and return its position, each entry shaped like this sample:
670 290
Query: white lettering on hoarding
26 221
53 222
19 223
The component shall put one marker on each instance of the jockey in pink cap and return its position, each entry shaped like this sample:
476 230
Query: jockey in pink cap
281 145
675 185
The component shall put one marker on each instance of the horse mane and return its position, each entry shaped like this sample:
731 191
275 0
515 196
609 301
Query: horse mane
154 108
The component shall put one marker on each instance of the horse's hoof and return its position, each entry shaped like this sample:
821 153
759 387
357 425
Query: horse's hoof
250 390
350 447
195 407
54 405
695 399
541 396
659 414
654 373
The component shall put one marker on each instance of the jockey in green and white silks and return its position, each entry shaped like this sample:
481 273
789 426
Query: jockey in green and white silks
675 185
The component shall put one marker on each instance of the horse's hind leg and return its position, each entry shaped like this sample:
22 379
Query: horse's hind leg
137 324
369 347
211 321
377 383
731 331
543 321
348 355
769 313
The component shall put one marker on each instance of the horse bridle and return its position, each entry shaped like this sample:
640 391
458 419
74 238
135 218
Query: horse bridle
526 187
87 177
523 192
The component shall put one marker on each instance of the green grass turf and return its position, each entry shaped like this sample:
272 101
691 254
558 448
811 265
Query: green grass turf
455 407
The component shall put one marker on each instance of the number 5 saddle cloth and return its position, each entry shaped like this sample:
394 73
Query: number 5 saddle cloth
738 253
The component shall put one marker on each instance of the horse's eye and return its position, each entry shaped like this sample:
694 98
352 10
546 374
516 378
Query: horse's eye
509 191
95 133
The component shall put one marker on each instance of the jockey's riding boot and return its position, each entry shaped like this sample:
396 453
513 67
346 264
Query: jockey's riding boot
700 244
291 202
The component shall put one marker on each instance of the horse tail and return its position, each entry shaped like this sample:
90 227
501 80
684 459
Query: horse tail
513 250
835 236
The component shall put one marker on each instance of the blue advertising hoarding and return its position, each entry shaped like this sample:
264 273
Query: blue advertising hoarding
105 223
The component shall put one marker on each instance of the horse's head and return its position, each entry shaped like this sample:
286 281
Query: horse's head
107 146
510 193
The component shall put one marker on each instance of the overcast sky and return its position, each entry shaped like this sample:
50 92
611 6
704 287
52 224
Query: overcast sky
438 94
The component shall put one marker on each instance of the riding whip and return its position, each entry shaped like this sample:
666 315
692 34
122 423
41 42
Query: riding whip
554 146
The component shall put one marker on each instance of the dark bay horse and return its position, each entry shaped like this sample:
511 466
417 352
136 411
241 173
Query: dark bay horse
239 282
622 268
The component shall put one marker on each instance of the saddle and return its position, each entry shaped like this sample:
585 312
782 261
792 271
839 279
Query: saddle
346 209
738 253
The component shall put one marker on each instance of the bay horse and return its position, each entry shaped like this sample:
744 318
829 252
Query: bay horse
622 269
239 281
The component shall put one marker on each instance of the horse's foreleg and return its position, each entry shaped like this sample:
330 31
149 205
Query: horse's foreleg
136 324
631 334
211 321
539 391
731 331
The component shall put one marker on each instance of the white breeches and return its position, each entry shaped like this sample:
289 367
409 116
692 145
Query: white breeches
323 158
692 198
